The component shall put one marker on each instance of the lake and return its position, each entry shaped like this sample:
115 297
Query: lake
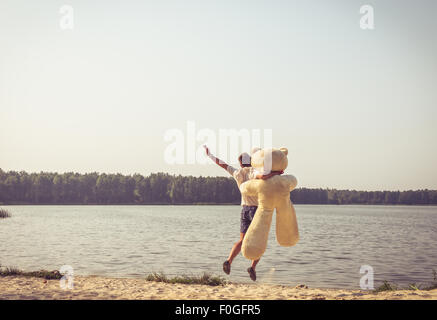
398 242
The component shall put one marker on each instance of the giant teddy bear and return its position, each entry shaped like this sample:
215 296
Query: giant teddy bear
273 193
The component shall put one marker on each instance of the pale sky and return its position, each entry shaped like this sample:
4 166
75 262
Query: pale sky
356 108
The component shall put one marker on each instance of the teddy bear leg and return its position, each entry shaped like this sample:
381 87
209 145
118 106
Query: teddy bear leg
287 233
255 240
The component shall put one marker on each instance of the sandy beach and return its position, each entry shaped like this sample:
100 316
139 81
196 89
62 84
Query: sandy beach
101 288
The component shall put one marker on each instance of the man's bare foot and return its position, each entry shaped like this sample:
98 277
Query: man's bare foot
227 267
252 273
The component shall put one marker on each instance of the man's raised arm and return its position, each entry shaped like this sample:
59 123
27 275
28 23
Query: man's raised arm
221 163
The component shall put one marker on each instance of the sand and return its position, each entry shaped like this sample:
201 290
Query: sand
17 287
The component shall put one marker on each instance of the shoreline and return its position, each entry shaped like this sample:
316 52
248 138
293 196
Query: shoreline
211 204
108 288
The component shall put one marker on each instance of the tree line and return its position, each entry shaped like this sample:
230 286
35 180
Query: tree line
162 188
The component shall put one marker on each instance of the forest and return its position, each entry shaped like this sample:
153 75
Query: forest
162 188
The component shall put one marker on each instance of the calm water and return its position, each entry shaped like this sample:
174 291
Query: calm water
131 241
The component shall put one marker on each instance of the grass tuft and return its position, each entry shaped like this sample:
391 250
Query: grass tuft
386 286
5 213
205 279
12 271
433 284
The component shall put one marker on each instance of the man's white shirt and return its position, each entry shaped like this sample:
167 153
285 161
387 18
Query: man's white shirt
242 175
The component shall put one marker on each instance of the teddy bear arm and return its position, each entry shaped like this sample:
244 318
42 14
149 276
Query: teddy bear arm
249 188
290 180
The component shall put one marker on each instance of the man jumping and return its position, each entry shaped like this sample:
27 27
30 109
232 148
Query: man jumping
249 204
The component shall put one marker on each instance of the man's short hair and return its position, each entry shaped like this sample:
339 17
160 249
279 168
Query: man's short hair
244 159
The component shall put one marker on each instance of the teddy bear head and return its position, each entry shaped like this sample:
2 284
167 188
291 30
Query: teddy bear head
266 160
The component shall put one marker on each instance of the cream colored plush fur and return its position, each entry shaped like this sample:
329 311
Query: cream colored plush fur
273 193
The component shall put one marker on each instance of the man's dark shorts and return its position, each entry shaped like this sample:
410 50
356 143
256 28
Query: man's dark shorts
247 214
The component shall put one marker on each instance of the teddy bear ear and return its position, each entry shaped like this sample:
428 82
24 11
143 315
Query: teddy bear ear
255 149
284 150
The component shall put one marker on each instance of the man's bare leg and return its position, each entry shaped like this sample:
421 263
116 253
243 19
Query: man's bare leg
236 248
251 270
254 263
